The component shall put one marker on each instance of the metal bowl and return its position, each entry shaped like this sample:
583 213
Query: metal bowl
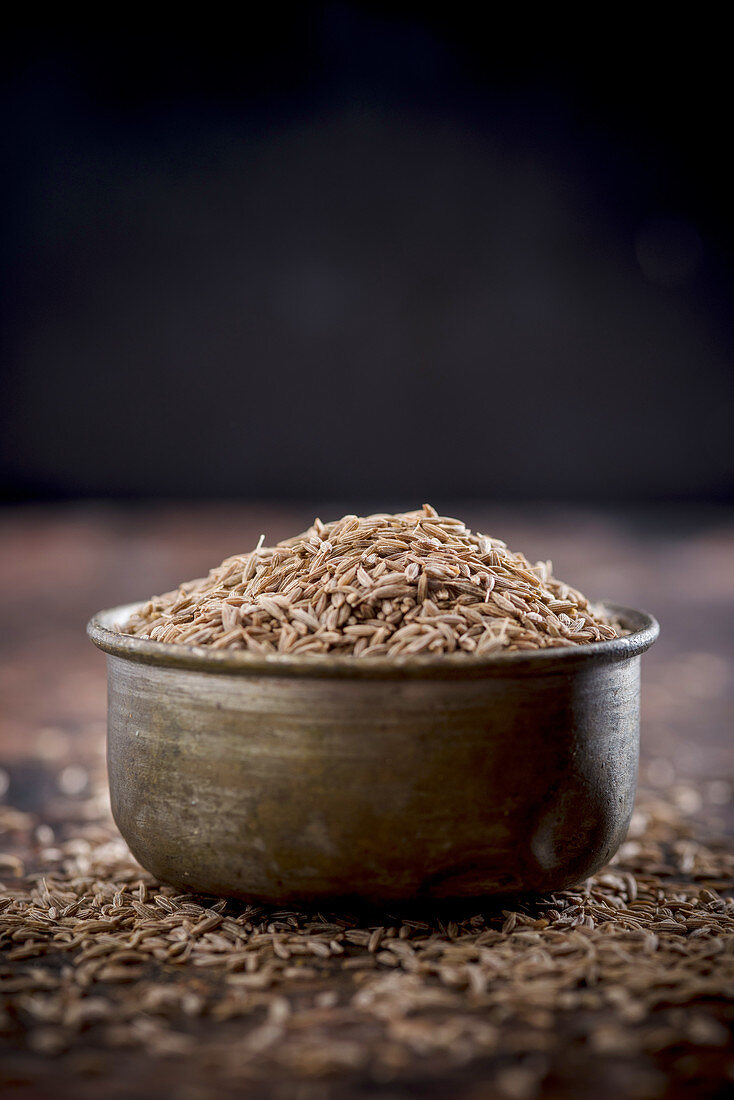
300 779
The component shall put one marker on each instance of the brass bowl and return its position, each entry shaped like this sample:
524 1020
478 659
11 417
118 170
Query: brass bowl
287 779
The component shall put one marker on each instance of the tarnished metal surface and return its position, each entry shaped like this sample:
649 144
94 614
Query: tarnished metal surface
281 779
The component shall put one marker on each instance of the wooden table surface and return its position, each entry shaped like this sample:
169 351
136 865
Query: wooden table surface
59 564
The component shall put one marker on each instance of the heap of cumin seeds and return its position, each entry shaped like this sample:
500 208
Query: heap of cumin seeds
383 585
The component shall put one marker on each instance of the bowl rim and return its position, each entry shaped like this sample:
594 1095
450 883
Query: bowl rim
643 629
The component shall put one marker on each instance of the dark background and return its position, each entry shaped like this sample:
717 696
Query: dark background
373 251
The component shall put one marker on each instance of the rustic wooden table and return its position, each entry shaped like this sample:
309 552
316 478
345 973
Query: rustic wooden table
60 564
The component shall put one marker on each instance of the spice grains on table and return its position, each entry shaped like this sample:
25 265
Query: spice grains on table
637 963
111 983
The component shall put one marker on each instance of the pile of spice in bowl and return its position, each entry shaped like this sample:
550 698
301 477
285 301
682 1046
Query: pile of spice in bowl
386 708
379 586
